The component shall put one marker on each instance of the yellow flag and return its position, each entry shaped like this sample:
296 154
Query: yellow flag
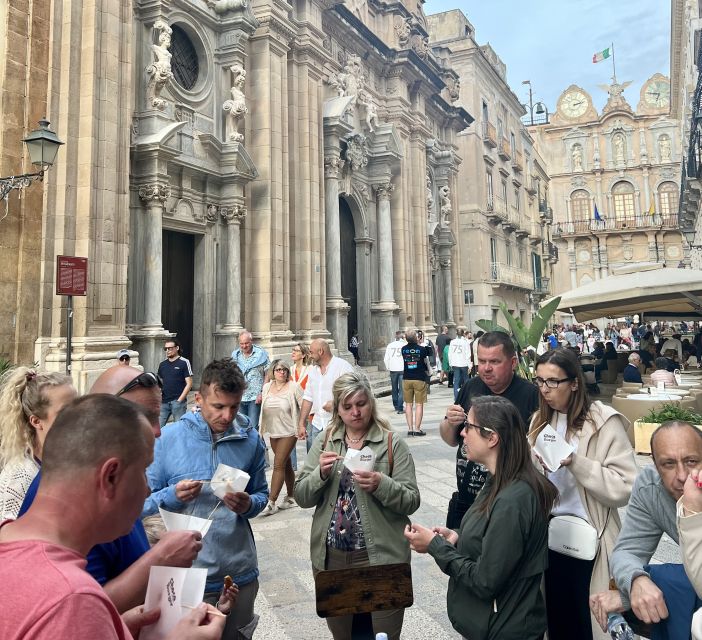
652 208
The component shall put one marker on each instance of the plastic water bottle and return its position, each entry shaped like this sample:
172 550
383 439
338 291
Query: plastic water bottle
619 628
381 636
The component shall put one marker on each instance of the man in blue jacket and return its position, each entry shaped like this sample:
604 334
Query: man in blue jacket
185 458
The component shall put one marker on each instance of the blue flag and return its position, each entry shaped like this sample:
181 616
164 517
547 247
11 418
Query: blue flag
597 214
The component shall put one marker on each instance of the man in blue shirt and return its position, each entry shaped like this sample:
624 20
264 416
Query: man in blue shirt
631 371
253 362
177 376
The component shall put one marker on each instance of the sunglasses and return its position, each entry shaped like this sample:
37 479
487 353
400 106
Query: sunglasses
169 348
146 380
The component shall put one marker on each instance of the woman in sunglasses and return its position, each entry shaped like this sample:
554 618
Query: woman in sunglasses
593 482
496 560
280 407
29 403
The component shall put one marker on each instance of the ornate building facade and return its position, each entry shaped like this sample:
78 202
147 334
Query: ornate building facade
288 168
502 202
614 181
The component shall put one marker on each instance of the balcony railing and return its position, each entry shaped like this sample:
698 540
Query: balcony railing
518 162
505 151
532 186
489 134
503 274
512 221
542 285
551 252
535 233
497 210
643 221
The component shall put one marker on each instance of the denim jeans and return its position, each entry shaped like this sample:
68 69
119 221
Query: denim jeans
396 383
252 411
460 376
312 433
172 408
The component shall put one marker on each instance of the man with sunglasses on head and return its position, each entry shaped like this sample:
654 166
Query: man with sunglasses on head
177 376
497 361
122 566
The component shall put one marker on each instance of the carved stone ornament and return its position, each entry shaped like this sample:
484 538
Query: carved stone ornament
234 214
664 148
356 153
430 199
403 30
363 192
433 262
420 45
211 213
445 201
350 81
223 6
235 107
159 71
616 99
642 146
371 114
149 192
332 166
384 190
445 263
578 182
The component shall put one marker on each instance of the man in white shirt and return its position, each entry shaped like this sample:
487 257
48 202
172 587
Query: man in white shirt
460 360
395 364
317 398
673 343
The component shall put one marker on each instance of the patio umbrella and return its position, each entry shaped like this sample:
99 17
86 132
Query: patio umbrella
650 290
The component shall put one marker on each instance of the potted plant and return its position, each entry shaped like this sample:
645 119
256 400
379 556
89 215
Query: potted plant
645 426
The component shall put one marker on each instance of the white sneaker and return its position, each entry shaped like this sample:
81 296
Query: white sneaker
288 503
269 509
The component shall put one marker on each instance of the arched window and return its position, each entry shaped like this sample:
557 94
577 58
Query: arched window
623 195
580 205
668 198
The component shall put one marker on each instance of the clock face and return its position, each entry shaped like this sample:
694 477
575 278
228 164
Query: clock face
574 104
658 94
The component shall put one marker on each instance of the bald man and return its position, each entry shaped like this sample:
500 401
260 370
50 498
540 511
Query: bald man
318 392
122 566
253 362
93 487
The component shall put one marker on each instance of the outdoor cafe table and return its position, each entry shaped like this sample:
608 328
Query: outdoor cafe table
655 391
651 398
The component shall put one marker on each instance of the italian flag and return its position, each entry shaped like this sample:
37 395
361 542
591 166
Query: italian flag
602 55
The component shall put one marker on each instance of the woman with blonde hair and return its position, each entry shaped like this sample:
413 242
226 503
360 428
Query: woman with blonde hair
29 403
301 363
593 482
280 407
359 517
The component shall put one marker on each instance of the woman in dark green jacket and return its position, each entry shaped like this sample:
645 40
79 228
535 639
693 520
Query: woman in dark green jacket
496 560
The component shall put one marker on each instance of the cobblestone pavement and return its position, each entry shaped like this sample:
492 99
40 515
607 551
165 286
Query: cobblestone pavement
286 598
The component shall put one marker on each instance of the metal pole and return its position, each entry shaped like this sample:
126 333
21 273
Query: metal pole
69 333
614 68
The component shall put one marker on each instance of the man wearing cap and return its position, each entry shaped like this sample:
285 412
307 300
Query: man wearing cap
123 357
177 376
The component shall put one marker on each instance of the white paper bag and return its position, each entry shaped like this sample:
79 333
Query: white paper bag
552 448
182 522
175 591
362 460
227 479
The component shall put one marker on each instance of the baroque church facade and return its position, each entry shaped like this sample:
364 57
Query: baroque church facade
287 168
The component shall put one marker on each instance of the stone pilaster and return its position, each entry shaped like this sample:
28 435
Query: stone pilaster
385 262
234 217
445 264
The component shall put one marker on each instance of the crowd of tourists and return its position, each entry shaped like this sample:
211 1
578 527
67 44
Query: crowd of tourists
530 545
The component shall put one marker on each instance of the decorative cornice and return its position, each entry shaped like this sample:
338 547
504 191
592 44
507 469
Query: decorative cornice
332 166
384 190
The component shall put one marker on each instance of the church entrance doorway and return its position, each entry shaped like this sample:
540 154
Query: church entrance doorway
178 288
349 290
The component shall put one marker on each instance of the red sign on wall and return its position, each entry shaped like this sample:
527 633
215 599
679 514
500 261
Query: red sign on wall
71 276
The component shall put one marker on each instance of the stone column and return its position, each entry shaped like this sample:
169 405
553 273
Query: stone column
386 290
445 264
233 217
153 196
337 309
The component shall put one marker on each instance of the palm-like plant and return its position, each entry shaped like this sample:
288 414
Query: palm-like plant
522 335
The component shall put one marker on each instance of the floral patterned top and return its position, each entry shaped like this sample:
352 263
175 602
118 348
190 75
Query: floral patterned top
345 528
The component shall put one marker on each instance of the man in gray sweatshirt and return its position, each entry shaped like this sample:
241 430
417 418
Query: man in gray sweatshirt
676 448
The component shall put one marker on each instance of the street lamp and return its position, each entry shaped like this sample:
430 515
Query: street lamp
539 106
689 233
43 145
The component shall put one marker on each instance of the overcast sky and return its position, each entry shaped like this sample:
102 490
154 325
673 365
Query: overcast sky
551 42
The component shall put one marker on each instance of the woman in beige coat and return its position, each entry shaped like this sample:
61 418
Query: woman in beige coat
593 482
690 532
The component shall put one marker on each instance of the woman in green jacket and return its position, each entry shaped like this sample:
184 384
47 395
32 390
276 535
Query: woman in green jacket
497 558
359 517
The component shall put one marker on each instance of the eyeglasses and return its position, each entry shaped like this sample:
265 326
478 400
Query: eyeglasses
146 380
551 383
169 348
470 425
280 369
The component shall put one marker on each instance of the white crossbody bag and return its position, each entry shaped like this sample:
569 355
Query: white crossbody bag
572 536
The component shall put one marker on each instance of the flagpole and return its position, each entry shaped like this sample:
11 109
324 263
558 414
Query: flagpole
614 68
